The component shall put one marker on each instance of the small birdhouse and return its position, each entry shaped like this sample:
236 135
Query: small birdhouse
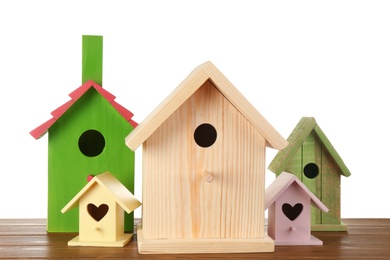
289 202
312 158
203 152
85 137
102 203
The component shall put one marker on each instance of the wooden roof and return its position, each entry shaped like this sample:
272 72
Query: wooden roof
106 180
204 72
300 133
75 95
282 183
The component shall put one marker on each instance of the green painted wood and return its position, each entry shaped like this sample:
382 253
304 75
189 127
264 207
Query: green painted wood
331 189
92 59
295 140
294 166
332 151
318 180
68 167
311 153
304 127
329 227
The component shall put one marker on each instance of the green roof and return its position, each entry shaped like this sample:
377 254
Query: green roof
297 137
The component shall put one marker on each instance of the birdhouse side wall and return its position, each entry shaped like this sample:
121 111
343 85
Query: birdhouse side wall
178 200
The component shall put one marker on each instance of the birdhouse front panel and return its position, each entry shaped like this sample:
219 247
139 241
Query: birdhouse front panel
101 218
331 189
292 215
86 140
203 172
314 166
311 167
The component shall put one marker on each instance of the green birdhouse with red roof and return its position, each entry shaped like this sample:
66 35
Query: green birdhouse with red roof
86 138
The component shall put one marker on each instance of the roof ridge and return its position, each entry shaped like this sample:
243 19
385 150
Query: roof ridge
75 95
197 77
285 180
305 126
111 184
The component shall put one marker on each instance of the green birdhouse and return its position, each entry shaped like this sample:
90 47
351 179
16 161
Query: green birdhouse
312 158
86 138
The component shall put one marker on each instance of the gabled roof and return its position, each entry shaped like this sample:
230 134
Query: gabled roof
204 72
282 183
106 180
300 133
75 95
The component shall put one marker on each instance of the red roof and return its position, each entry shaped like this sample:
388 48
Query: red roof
75 95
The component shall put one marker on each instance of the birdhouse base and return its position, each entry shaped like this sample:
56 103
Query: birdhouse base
118 243
329 227
196 246
313 241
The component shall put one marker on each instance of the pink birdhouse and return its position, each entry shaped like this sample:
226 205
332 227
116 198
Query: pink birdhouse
289 202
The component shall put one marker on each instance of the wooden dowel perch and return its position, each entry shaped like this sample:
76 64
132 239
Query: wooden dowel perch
207 177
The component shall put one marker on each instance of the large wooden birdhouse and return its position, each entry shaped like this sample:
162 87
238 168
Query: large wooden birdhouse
289 202
85 138
203 152
102 203
313 159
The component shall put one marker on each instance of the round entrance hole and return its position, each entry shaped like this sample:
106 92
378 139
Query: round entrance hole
205 135
311 170
91 143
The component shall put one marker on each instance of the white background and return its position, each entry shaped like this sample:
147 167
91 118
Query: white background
326 59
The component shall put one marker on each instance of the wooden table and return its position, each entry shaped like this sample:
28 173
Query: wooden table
28 239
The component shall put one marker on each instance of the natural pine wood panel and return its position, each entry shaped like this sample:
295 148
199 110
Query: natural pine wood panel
177 201
245 172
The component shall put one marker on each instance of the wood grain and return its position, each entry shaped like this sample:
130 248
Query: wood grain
177 202
27 239
205 71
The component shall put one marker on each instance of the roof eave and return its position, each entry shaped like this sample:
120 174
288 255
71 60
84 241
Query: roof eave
107 181
332 151
202 73
147 127
75 95
299 134
122 196
230 92
283 182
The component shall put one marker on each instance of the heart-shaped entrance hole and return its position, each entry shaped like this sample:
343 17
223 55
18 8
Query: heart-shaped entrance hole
292 212
97 212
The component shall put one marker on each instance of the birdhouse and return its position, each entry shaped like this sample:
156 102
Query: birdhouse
203 152
102 203
312 158
288 202
85 138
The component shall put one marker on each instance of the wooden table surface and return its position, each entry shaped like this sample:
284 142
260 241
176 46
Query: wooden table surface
28 239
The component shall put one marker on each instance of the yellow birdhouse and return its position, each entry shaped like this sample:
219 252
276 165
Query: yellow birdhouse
102 203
